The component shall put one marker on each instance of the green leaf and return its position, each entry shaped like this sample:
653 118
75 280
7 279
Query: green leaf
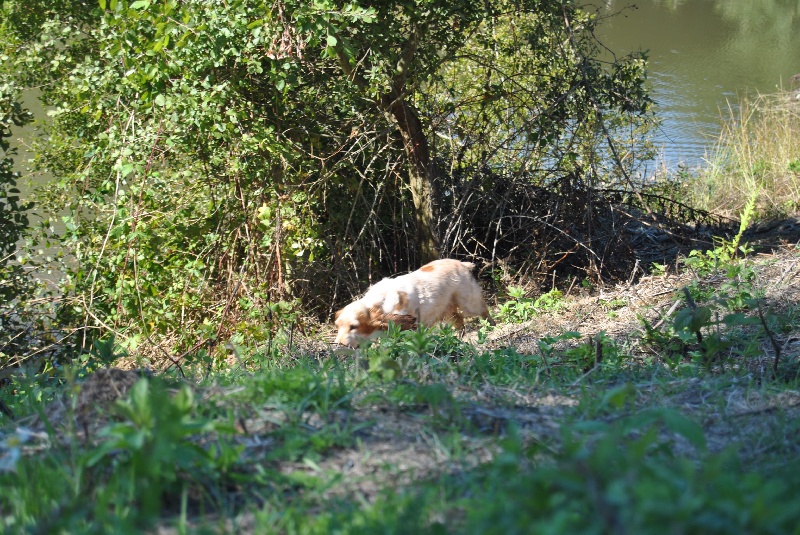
617 397
332 41
139 4
126 169
691 431
738 319
160 100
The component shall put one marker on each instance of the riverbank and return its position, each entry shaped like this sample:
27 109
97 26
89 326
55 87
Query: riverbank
757 156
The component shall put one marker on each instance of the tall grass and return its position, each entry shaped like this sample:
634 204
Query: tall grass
757 155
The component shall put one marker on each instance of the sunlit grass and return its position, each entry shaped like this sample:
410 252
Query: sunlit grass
756 155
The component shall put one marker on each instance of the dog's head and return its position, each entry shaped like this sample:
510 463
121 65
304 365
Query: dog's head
356 322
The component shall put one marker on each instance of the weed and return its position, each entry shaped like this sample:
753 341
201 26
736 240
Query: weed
658 270
520 308
305 387
420 353
134 471
725 253
612 305
152 451
104 353
696 330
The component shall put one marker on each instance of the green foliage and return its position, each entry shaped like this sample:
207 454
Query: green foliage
725 253
696 330
657 269
709 328
624 475
151 450
519 308
131 474
548 344
706 333
106 352
205 151
423 352
300 389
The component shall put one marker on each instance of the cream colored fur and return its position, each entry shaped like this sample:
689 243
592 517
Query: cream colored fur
441 291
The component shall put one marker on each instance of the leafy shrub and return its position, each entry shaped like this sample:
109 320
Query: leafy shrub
144 463
424 352
152 451
625 477
696 331
519 308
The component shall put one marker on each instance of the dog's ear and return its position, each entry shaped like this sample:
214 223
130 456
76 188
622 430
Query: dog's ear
406 322
375 317
338 313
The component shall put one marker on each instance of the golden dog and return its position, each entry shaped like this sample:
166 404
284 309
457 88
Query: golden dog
442 291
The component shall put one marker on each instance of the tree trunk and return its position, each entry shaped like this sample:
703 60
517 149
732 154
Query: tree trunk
424 192
393 104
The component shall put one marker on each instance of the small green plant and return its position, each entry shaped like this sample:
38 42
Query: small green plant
152 451
420 352
549 344
388 358
696 331
726 252
519 308
658 270
583 357
104 353
304 387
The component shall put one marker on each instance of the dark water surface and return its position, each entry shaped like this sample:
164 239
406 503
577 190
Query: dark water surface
703 56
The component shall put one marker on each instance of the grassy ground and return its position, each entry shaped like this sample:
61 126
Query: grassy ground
670 405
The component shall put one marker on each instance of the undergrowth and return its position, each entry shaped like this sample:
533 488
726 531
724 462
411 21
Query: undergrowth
421 431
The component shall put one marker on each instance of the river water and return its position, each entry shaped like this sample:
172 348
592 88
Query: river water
704 55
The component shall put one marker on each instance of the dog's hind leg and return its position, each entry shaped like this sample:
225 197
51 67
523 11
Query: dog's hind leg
453 316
